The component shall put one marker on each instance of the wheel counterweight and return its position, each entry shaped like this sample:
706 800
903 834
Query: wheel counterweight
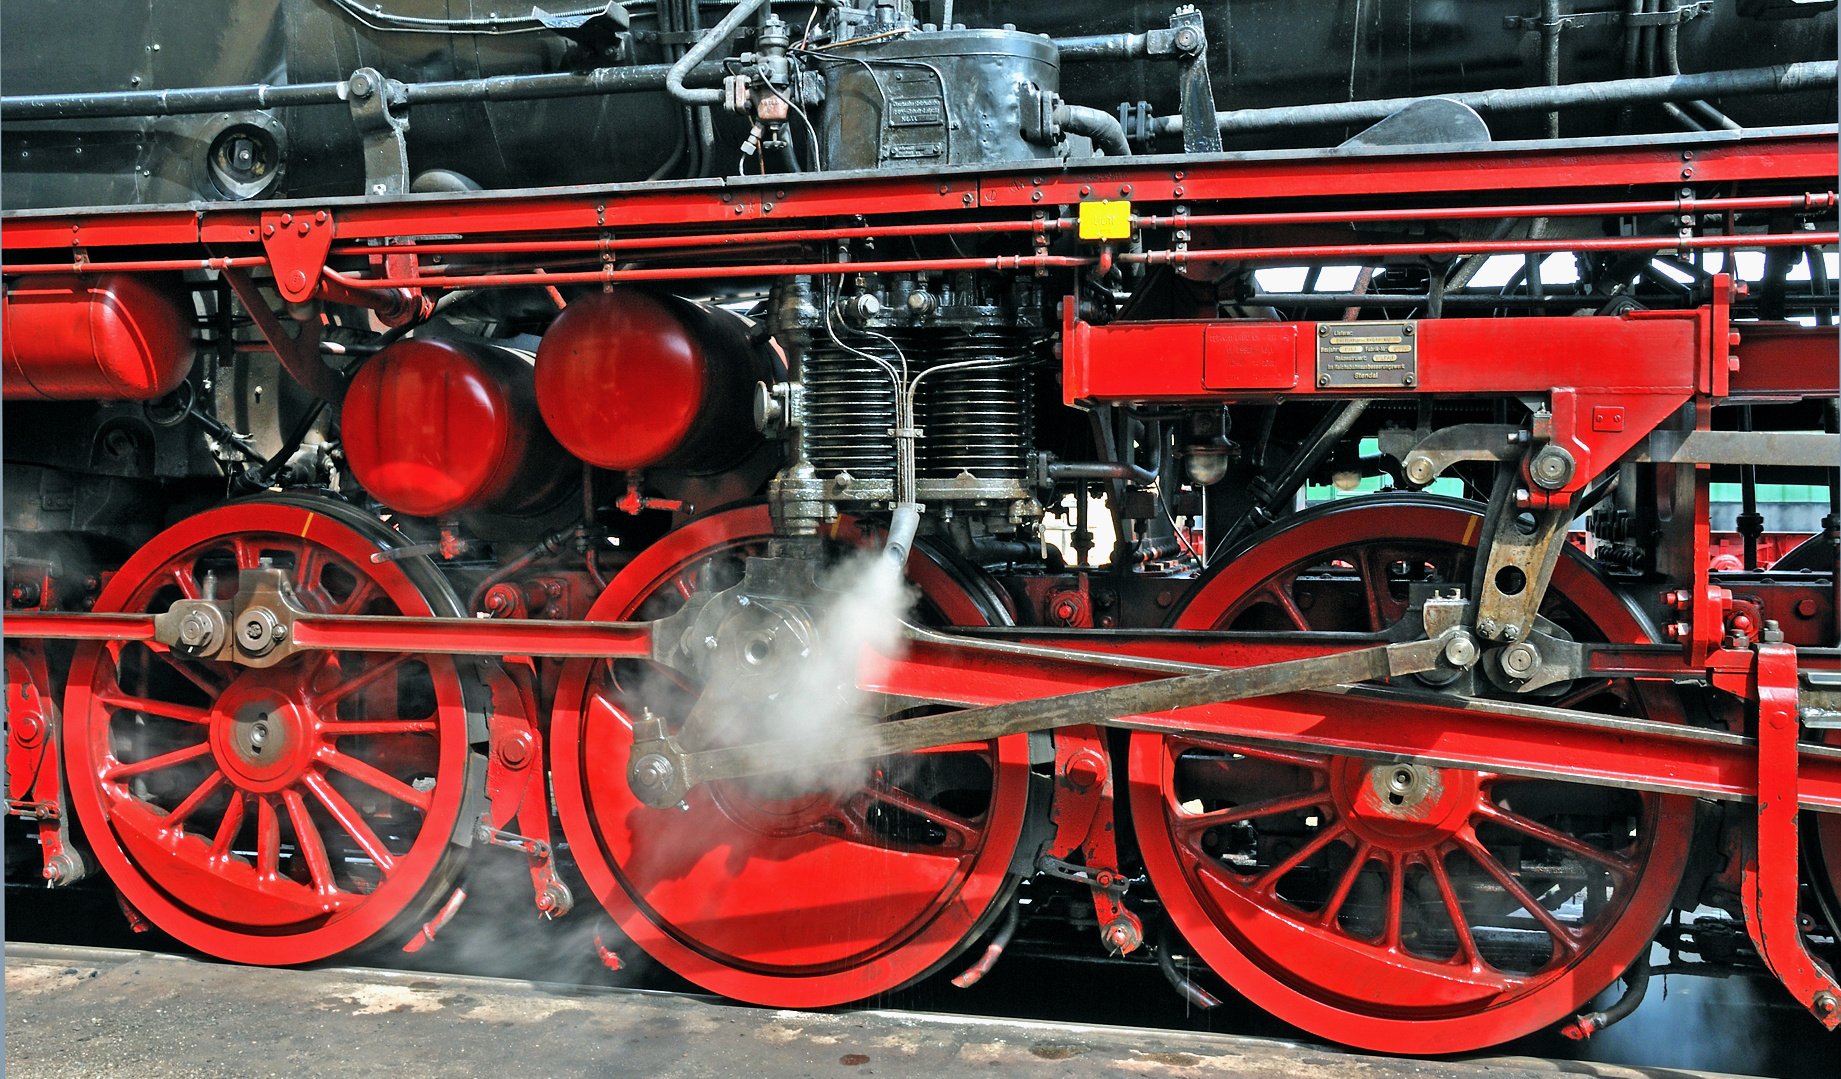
284 814
1389 904
784 897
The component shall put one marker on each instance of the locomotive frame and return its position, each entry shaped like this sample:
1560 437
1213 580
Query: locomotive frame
1387 721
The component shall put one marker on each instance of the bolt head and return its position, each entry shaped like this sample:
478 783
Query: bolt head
1461 651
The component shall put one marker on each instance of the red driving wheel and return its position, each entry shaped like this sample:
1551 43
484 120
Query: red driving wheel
1393 905
282 814
802 900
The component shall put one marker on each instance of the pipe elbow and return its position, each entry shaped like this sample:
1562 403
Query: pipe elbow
1102 127
674 79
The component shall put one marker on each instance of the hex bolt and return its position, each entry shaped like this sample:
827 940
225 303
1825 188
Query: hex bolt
1487 627
1519 660
1825 1003
652 771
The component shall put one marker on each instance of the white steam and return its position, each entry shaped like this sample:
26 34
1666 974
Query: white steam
810 694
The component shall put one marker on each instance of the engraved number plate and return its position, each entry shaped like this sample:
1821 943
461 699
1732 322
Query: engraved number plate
1367 355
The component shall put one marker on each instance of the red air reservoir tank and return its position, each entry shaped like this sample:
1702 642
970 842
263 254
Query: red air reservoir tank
435 427
111 337
627 380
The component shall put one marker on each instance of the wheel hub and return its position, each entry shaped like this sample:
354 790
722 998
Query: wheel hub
1400 805
262 734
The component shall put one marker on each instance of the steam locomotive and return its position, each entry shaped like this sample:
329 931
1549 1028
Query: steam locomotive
809 473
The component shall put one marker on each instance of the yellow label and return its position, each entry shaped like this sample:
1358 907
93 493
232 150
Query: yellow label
1105 220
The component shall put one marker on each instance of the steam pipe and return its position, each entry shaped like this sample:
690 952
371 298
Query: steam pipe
1190 991
902 526
1102 127
1550 46
1084 470
976 972
1636 985
1102 47
183 102
1777 79
674 79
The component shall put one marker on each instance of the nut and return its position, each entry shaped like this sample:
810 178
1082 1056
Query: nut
1520 660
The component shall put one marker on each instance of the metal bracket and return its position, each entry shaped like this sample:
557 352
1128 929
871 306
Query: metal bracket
1577 20
498 837
1514 566
1201 133
1106 880
1425 454
1771 868
385 134
256 632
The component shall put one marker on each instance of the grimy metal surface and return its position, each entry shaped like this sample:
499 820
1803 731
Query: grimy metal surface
151 1015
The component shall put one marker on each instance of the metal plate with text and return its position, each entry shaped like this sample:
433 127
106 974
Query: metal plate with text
1367 355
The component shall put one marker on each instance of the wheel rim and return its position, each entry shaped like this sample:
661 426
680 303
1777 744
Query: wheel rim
802 901
276 815
1397 906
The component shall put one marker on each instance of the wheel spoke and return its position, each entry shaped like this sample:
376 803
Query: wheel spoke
1345 884
350 728
1374 589
268 838
188 585
1279 593
307 567
362 682
228 828
246 553
185 713
375 778
1619 867
1266 882
1396 899
307 840
350 820
156 762
1189 825
963 833
359 597
1454 909
183 811
1565 943
209 684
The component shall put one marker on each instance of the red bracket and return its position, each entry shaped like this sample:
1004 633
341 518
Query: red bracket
1771 852
515 785
34 777
1083 816
297 244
